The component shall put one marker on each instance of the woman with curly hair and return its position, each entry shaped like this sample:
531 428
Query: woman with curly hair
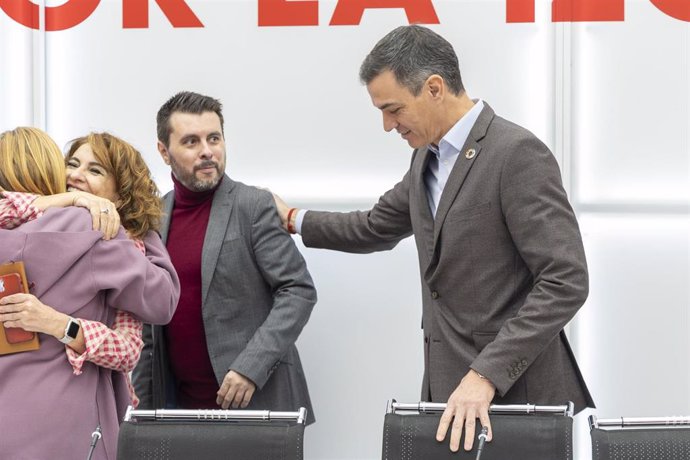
103 165
94 159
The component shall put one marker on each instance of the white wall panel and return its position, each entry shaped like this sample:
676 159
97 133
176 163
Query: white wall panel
630 175
18 85
631 108
633 332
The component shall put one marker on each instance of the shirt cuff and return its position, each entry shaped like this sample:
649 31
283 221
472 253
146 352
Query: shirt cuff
299 219
75 359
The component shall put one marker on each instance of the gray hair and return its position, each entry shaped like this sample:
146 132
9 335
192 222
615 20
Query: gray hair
413 53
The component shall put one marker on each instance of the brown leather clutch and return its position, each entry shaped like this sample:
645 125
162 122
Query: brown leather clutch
14 339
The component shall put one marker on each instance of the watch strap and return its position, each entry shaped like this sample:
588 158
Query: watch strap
71 331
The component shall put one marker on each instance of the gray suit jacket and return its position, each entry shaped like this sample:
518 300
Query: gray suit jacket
502 264
257 296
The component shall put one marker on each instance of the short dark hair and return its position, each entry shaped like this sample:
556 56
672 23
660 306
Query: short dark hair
185 102
413 53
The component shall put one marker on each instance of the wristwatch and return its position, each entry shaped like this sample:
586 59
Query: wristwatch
71 331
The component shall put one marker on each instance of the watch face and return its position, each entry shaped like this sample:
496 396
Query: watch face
73 329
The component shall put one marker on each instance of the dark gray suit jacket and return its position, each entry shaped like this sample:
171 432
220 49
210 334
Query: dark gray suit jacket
502 264
257 296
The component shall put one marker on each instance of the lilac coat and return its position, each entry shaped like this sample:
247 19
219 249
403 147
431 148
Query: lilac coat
45 410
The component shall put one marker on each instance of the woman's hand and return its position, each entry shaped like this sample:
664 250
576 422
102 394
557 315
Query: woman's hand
29 313
104 214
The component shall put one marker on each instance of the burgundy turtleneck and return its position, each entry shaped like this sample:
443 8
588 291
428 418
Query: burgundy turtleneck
186 338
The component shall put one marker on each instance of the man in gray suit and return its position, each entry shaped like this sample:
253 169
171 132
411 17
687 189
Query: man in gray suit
500 254
246 292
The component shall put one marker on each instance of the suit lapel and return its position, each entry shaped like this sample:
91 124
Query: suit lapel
221 208
168 204
468 155
427 221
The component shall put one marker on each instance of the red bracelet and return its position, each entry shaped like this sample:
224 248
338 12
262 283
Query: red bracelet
290 227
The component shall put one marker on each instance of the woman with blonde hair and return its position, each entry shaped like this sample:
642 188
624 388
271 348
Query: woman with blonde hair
34 167
72 268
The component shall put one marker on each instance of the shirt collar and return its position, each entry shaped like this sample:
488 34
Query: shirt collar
190 198
455 138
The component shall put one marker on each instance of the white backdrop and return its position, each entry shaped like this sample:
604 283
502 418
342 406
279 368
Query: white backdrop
612 99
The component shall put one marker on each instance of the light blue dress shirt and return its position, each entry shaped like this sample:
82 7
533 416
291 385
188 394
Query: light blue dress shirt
445 154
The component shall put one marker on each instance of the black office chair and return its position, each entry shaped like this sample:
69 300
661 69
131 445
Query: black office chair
520 432
168 434
657 438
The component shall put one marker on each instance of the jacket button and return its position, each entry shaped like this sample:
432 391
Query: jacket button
434 294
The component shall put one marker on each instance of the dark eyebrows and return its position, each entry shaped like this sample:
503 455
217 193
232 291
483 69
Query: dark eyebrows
187 137
388 105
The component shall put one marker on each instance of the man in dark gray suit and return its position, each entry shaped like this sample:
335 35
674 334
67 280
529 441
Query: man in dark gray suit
500 254
246 292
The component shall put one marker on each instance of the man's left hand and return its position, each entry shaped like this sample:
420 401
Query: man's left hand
236 391
470 401
283 210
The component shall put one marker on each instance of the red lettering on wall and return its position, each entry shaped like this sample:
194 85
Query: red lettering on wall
349 12
70 14
24 12
288 13
519 10
679 9
62 17
587 10
135 14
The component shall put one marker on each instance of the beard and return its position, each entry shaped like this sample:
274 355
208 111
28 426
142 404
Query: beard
189 179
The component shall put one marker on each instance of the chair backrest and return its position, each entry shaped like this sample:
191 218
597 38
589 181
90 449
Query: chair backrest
658 438
211 434
520 432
